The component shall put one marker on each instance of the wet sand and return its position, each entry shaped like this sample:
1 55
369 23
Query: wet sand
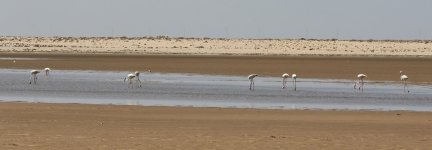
77 126
324 67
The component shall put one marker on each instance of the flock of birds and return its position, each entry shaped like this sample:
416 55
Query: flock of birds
285 77
34 73
361 76
359 83
135 76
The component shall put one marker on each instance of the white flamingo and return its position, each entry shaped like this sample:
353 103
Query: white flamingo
33 76
47 70
130 78
137 76
294 77
284 80
137 73
252 83
404 78
360 81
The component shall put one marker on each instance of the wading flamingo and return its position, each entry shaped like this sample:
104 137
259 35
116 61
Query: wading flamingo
284 80
404 78
137 73
294 77
33 76
47 70
130 78
360 81
252 83
137 76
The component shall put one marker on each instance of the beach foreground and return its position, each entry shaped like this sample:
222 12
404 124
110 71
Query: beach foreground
78 126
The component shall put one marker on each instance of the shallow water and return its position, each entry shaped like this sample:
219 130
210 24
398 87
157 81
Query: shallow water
100 87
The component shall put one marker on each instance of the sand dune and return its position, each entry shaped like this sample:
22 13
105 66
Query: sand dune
166 45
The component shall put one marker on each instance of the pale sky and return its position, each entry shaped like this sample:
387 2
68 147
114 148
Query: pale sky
342 19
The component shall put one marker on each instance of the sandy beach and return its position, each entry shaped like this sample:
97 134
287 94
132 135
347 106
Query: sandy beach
212 46
82 126
72 126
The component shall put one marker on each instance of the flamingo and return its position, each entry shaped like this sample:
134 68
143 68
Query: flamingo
130 78
252 83
137 76
33 76
294 77
47 70
284 79
137 73
360 81
404 78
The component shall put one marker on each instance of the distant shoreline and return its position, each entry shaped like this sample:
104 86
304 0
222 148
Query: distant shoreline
203 55
219 38
37 54
162 45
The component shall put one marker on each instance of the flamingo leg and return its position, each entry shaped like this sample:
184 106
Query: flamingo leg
253 85
406 86
295 84
283 83
359 84
31 77
139 81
